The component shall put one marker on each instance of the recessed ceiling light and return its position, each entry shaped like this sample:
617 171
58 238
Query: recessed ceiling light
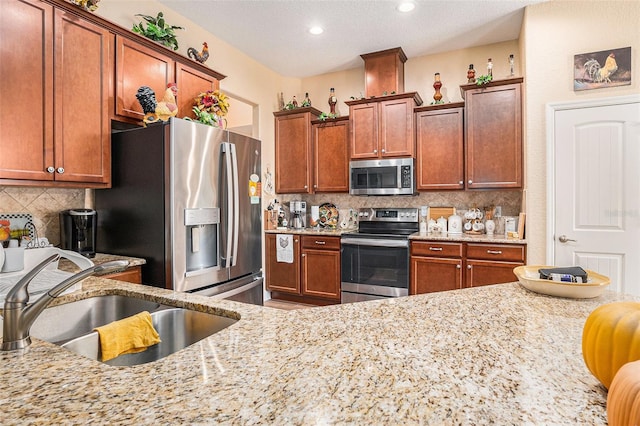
406 6
316 30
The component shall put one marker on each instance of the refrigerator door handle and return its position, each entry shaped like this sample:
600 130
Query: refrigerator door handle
226 150
236 204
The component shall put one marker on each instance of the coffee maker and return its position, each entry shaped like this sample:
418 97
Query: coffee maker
78 229
298 211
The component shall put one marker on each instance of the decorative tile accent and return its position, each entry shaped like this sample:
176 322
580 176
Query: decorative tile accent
43 204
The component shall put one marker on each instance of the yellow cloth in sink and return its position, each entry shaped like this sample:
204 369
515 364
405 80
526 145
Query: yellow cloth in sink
127 336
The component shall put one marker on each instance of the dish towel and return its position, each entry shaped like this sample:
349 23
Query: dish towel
284 248
127 336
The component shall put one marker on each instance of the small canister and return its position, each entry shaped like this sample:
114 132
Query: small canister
442 224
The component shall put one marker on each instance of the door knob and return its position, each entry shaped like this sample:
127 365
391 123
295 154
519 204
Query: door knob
564 239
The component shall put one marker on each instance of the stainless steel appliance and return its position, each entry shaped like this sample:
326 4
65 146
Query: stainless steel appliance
181 199
394 176
298 213
375 260
78 231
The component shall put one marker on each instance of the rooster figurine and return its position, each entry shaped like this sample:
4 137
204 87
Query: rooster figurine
153 110
199 56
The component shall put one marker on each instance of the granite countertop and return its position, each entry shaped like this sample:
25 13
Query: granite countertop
331 232
68 266
482 238
488 355
468 238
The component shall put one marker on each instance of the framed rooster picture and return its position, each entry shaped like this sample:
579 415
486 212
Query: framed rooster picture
606 68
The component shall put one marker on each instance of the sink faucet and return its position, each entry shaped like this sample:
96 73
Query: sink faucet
18 316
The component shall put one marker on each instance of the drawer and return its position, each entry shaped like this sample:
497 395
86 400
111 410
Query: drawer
502 252
320 242
436 248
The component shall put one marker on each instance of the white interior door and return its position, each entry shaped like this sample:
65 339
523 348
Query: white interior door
597 191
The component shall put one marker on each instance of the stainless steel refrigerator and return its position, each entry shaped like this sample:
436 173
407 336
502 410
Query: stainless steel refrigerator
185 197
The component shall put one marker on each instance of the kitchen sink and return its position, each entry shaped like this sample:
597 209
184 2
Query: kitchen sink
61 323
177 327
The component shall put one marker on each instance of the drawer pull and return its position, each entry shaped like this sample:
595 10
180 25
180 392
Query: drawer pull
494 251
435 248
321 242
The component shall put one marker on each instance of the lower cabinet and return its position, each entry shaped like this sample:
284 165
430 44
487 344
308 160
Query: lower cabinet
314 275
130 275
439 266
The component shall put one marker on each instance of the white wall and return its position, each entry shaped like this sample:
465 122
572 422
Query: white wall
552 34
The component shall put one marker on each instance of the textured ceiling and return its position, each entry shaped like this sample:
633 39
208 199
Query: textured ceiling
275 33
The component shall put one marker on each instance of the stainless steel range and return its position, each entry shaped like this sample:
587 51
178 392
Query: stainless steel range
375 260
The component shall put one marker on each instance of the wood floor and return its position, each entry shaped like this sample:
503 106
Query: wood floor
283 304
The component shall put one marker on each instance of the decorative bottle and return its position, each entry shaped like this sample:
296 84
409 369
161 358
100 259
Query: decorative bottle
471 74
437 85
332 101
307 101
511 62
490 68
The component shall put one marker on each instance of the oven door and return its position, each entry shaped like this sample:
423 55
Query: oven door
375 266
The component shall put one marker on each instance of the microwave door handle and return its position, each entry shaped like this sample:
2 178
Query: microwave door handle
229 195
236 204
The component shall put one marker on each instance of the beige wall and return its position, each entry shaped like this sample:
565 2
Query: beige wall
552 34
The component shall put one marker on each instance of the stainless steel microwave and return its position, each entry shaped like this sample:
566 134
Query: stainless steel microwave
394 176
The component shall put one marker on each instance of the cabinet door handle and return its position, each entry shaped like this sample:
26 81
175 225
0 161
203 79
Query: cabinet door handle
295 241
321 242
60 170
51 169
435 248
304 255
375 151
470 182
458 267
468 266
306 186
494 251
383 150
315 186
461 182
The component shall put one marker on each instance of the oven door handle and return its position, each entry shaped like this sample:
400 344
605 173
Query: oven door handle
374 242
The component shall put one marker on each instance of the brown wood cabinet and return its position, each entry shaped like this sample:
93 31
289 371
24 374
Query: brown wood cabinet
54 120
281 276
130 275
314 275
138 65
493 134
321 267
492 263
294 150
191 83
383 127
331 155
440 147
438 266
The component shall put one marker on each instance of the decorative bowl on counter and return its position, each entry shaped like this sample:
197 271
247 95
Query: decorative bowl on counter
529 278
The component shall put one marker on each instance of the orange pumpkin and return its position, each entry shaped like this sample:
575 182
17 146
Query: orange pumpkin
611 338
623 401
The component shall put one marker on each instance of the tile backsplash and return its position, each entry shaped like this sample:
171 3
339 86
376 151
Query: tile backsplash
44 204
510 201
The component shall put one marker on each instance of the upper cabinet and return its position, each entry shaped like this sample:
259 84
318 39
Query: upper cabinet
294 150
493 131
54 114
138 65
383 127
440 147
68 74
331 155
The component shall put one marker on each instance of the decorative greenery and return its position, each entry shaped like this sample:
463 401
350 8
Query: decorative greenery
483 79
437 102
324 116
158 30
289 106
211 106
